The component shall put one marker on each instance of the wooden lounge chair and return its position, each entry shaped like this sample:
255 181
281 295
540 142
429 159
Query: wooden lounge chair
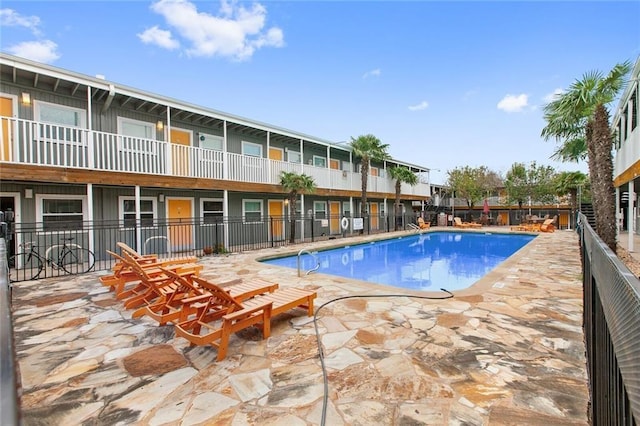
121 268
458 223
153 284
548 226
222 315
422 224
192 293
126 273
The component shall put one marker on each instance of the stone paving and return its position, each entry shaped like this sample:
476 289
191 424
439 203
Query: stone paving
507 351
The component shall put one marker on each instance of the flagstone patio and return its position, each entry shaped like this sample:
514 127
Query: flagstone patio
508 351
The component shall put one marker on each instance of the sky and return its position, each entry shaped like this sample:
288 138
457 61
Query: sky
444 84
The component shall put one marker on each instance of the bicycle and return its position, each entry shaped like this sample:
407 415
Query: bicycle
28 264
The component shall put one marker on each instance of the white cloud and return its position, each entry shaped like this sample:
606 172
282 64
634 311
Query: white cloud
513 103
419 107
162 38
41 51
237 32
11 18
552 96
373 73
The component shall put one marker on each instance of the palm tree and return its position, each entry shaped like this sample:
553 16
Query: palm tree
401 175
368 148
294 184
569 183
581 113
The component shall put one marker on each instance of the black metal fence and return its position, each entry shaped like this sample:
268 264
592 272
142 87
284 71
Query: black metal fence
612 332
9 415
38 249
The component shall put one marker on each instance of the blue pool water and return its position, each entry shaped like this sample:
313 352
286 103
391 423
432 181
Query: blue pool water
449 260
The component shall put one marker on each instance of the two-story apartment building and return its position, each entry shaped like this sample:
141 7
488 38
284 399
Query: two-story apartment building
84 150
626 166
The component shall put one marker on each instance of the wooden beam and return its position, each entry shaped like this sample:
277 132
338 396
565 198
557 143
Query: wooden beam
46 174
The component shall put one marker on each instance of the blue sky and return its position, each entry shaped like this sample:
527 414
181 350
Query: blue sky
445 84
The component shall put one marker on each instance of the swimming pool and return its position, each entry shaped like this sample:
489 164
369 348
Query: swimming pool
449 260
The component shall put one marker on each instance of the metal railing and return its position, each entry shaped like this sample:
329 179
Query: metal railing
612 332
171 238
8 366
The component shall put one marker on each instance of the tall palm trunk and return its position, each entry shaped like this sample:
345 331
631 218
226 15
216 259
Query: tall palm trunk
293 198
602 177
365 177
397 204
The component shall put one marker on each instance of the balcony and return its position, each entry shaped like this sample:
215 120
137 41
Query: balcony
40 144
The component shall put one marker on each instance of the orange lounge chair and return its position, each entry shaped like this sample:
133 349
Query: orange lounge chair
125 272
192 293
458 223
120 268
547 226
422 224
153 284
222 315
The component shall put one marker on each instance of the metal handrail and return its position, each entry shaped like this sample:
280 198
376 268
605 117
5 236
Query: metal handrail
8 382
312 254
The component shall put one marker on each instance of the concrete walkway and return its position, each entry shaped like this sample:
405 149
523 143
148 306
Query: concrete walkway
508 351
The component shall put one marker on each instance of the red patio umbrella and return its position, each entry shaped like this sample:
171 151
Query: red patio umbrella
485 208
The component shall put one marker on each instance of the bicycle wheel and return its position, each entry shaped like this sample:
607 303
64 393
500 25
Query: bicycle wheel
24 267
77 260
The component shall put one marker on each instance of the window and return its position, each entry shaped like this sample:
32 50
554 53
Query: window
320 209
135 128
59 114
212 210
60 212
211 142
294 157
251 149
252 210
127 207
319 161
346 208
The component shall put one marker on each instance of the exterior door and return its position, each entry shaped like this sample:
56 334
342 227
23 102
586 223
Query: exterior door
276 219
334 164
276 154
180 215
180 139
373 214
334 217
6 110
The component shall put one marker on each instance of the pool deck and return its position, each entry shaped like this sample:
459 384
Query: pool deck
507 351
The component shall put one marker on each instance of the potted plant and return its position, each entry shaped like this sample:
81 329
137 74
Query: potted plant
207 250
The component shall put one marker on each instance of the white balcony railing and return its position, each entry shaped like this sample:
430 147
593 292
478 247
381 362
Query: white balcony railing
29 142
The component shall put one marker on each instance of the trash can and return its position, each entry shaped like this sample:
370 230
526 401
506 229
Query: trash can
442 219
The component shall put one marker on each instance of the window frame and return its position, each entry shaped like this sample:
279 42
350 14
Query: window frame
122 213
123 120
202 137
40 198
247 144
289 151
316 210
346 208
38 107
317 158
244 210
202 210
